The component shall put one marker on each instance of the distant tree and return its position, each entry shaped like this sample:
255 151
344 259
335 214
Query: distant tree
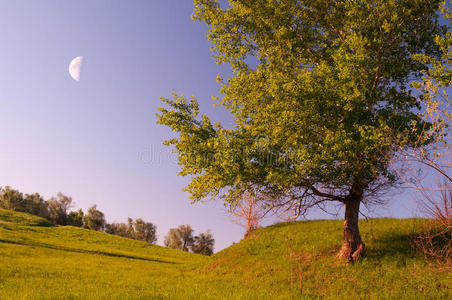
130 229
110 228
204 243
11 199
58 208
120 229
94 219
145 231
137 230
172 239
180 238
36 205
75 218
30 203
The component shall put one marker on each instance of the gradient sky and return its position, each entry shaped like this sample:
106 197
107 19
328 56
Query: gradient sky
97 140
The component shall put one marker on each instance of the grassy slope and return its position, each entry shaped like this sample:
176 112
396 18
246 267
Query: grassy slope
38 261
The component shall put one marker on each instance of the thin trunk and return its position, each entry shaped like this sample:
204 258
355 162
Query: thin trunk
352 247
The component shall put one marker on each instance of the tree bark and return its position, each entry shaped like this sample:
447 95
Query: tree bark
352 247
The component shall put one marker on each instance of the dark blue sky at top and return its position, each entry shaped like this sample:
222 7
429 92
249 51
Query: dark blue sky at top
97 139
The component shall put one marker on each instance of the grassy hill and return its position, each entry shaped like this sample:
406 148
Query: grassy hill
284 261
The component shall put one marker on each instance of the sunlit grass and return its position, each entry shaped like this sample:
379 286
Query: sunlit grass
284 261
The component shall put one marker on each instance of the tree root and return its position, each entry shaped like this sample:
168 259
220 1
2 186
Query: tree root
350 255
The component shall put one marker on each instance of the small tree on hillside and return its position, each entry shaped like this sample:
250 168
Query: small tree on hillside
94 219
145 231
172 239
203 243
59 208
36 205
30 203
11 199
137 230
120 229
75 218
180 238
247 212
130 229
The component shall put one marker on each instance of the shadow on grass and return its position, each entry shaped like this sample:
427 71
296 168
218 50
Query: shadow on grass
290 223
85 251
393 245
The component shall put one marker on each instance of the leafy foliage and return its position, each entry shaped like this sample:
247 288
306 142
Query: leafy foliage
435 97
317 89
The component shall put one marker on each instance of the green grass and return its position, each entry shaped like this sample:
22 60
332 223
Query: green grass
9 216
42 262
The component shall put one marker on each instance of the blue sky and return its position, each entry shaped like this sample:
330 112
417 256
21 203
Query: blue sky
97 140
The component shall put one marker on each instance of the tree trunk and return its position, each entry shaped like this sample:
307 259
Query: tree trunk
352 247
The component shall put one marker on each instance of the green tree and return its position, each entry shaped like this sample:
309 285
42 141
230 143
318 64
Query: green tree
172 239
320 98
137 230
94 219
120 229
58 208
30 203
180 238
11 199
130 229
204 243
145 231
75 218
36 205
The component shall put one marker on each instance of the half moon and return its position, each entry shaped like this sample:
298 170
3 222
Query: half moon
75 67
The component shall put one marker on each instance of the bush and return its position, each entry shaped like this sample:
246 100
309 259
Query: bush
436 241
